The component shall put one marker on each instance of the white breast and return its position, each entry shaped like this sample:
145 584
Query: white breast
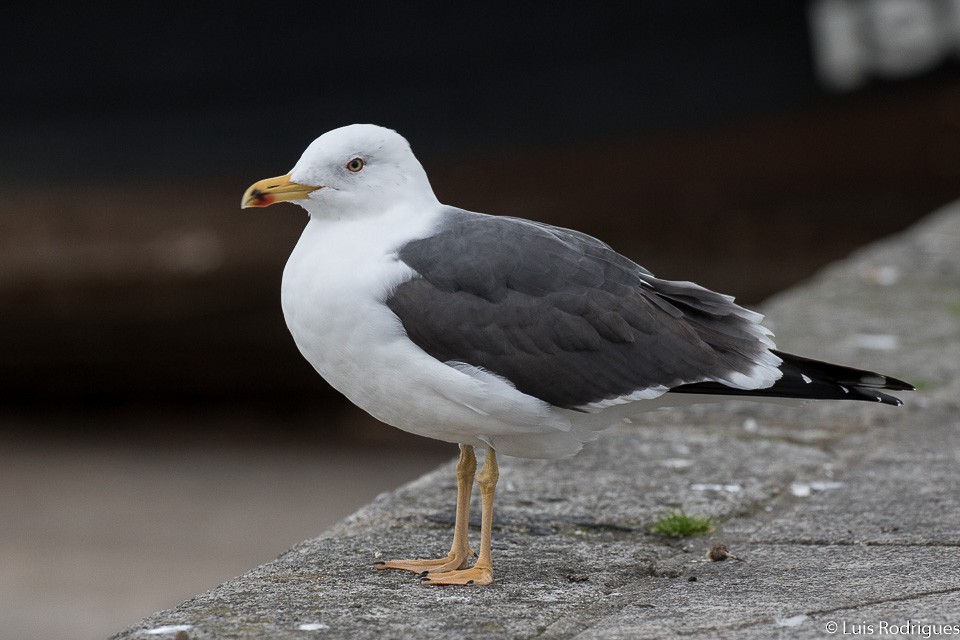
334 287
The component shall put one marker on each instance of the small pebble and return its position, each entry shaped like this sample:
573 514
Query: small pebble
719 553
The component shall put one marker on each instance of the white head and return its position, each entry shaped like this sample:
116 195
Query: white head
353 171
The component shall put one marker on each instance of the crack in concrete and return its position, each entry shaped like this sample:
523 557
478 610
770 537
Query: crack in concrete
902 598
852 543
766 621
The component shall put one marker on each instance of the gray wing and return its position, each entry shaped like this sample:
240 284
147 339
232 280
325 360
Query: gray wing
567 319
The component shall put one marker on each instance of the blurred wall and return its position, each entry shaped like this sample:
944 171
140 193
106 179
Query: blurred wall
742 145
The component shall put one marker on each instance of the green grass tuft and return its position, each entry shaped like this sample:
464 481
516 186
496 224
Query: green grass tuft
677 524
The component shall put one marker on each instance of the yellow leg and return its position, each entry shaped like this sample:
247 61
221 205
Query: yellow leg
460 549
482 571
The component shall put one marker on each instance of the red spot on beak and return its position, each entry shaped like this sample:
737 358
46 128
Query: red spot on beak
263 199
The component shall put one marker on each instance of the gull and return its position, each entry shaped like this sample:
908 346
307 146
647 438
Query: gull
501 333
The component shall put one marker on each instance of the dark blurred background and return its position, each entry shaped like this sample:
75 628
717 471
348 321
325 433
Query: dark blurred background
740 145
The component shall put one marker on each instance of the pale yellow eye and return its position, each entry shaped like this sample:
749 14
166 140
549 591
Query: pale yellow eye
355 165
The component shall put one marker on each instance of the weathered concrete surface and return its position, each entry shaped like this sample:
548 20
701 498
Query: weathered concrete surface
843 512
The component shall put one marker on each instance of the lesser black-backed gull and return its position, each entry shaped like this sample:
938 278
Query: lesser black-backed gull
501 333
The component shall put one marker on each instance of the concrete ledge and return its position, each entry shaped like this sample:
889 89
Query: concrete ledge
843 512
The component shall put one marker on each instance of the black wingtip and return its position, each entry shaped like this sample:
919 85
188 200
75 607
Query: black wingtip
805 378
894 384
883 398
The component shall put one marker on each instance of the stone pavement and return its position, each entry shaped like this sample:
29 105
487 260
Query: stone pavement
846 515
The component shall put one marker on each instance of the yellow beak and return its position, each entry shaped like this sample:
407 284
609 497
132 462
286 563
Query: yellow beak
272 190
